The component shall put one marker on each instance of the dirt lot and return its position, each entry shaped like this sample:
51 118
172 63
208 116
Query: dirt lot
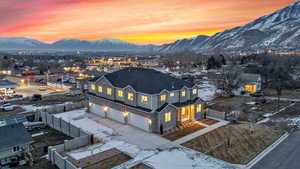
110 162
191 128
252 109
40 145
6 114
49 100
292 94
141 166
243 147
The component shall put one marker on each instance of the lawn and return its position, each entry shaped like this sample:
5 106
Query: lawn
193 127
243 147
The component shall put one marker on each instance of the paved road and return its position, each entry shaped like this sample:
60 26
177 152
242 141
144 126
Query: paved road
285 156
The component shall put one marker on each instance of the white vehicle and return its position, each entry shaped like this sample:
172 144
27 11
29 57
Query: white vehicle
7 107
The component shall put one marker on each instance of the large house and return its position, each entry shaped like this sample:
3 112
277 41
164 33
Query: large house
144 98
14 144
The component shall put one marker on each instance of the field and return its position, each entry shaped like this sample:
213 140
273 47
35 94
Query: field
235 143
292 94
52 99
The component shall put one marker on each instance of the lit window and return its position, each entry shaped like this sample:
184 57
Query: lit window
199 108
144 99
183 93
168 117
194 91
130 96
109 91
172 94
93 87
163 98
120 93
100 89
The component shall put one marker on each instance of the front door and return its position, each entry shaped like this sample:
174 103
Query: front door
187 113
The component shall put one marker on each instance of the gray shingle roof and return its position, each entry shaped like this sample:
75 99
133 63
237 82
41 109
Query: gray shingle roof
13 135
146 80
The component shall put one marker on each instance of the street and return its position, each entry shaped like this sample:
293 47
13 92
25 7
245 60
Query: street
285 156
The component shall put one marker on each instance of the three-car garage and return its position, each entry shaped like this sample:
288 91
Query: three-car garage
132 119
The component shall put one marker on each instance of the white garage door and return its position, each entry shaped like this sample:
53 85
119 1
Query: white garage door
115 115
138 121
96 109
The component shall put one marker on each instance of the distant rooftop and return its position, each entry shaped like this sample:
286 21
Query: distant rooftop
14 135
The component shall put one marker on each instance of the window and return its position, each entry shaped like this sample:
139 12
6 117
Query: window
172 94
194 91
93 87
130 96
163 98
120 93
199 108
183 93
100 89
15 149
168 117
144 99
109 91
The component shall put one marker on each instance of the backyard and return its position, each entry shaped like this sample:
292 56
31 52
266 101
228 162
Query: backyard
238 143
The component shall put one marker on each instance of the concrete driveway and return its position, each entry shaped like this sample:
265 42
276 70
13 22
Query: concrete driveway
133 135
285 156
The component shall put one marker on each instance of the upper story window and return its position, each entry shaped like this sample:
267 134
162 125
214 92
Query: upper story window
199 107
93 87
100 89
163 98
194 91
120 93
183 93
172 94
130 96
144 99
168 117
109 91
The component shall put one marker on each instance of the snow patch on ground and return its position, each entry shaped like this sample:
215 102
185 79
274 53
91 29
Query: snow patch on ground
181 158
207 91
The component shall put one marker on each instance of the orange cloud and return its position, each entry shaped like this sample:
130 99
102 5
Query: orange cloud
139 21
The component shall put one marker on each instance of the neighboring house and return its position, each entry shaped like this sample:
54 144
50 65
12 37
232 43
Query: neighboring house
251 82
82 81
14 144
145 98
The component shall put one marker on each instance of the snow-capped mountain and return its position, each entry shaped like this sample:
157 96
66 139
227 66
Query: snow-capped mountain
21 43
279 30
74 44
183 45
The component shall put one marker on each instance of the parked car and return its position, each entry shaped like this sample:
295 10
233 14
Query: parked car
258 94
42 88
36 97
7 107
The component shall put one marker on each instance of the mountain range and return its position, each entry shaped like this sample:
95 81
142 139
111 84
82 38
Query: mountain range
279 30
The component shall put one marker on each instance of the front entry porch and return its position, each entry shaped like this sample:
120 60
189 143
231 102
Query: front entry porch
186 113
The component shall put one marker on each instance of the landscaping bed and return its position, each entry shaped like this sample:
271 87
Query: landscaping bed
141 166
235 143
184 132
110 162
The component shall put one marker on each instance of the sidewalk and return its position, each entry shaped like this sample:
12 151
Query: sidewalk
200 132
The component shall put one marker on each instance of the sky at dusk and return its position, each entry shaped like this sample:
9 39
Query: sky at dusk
138 21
